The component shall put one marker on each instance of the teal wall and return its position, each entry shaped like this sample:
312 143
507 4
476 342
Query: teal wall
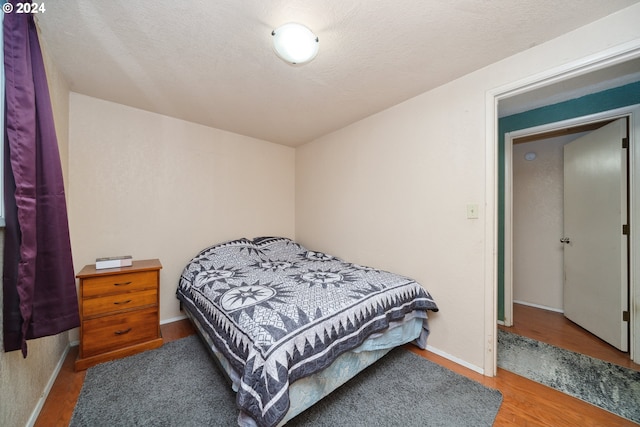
590 104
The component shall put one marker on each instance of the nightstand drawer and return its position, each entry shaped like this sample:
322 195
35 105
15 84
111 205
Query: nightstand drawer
110 304
128 282
110 333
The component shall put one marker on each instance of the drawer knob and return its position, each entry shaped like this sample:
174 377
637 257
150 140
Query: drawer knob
122 302
125 331
122 284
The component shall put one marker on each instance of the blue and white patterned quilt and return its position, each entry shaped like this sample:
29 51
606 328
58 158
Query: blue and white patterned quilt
280 312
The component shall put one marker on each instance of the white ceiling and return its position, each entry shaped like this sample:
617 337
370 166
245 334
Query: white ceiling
211 61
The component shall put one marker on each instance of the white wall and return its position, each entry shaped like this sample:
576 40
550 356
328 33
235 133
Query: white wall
153 186
538 222
391 190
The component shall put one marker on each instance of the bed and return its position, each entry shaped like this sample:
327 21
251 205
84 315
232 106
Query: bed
288 325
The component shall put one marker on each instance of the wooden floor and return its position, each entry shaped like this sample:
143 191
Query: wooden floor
525 403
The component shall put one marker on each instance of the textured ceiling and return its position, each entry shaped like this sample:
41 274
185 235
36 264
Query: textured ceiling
211 62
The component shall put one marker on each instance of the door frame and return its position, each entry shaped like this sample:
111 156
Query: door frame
606 58
632 112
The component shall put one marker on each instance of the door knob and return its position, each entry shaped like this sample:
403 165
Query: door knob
565 240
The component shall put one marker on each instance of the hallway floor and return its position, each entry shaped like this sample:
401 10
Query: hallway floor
555 329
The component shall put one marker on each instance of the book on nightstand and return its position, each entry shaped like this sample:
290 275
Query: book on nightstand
114 262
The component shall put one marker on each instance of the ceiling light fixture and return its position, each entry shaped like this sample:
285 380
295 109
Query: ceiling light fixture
295 43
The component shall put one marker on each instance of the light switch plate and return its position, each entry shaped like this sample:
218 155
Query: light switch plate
472 211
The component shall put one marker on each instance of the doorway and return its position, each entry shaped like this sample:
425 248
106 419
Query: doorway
537 152
606 71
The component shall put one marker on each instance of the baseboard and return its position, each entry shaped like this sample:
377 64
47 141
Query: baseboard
455 360
47 389
173 319
542 307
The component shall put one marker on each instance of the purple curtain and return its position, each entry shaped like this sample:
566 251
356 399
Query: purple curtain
38 280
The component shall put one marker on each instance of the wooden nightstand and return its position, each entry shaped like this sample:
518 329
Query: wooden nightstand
119 311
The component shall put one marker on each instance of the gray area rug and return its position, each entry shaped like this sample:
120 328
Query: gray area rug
179 385
608 386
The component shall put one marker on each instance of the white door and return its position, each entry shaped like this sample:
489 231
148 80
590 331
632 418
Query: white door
595 249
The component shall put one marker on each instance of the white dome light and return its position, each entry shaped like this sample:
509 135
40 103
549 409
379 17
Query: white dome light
295 43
